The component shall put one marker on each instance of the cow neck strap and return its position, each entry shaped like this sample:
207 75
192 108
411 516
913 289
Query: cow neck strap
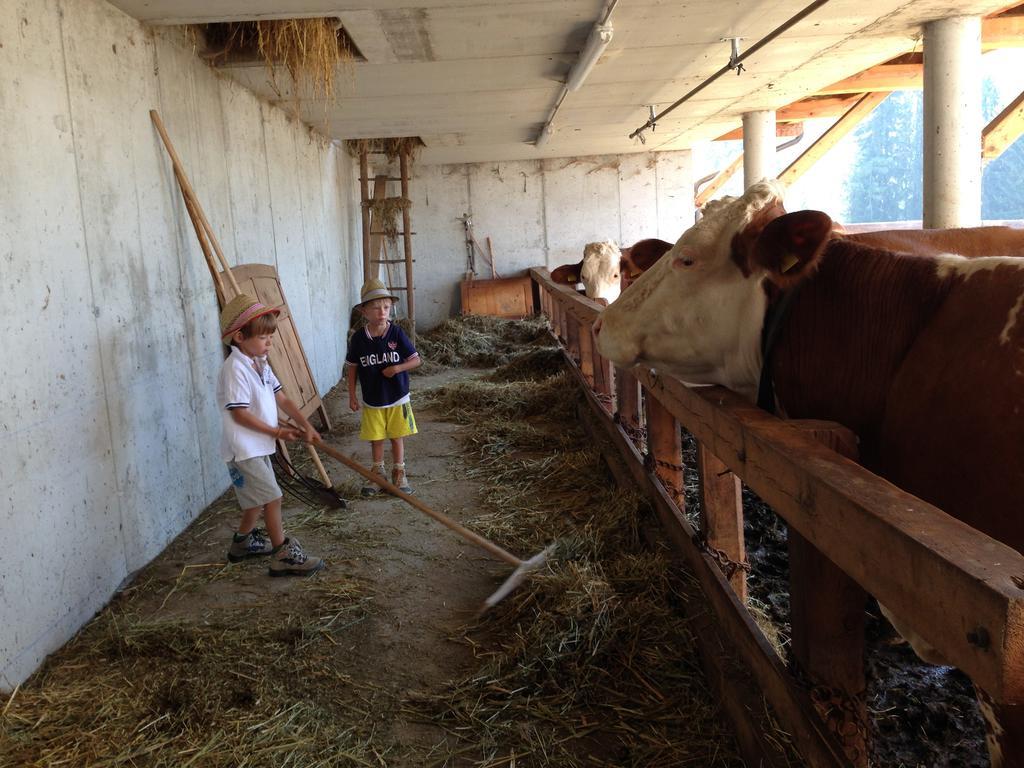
773 319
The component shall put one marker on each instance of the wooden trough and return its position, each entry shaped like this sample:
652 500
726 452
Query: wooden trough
850 532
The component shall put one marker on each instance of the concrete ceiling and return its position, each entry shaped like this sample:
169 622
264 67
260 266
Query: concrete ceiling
477 79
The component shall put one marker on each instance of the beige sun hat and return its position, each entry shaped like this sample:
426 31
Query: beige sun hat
240 311
374 289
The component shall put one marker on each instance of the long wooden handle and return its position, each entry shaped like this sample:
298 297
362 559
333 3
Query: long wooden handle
190 196
465 533
324 477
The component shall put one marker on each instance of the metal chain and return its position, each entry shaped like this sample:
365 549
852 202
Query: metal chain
726 565
839 710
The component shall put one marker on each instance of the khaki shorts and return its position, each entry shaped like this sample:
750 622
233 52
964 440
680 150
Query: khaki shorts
254 481
384 423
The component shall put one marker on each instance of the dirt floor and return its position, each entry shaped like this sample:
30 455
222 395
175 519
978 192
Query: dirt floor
380 659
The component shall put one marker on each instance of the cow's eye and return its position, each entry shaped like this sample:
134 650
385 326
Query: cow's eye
686 262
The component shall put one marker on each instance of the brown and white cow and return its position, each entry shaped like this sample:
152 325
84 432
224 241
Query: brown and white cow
922 355
598 271
640 257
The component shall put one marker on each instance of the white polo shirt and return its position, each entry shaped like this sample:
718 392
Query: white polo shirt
241 386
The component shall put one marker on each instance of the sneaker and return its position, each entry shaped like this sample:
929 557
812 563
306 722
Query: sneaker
370 488
290 559
252 544
399 479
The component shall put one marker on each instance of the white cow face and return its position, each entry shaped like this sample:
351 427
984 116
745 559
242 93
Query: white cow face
600 272
698 312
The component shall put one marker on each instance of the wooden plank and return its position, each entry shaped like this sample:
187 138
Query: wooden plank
864 106
722 506
827 620
885 78
505 297
718 182
1004 129
818 748
944 578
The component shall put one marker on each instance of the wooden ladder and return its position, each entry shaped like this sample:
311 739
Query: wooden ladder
375 250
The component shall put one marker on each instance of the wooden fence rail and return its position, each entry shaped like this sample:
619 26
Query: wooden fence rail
850 532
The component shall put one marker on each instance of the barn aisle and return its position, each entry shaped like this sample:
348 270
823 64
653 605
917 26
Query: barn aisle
380 660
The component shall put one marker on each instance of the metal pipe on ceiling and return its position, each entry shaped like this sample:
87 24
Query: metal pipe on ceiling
598 39
790 22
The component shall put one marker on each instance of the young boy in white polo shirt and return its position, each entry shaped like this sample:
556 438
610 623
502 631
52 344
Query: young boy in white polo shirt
380 356
249 394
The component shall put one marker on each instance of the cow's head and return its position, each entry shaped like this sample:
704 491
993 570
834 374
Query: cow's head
600 272
698 312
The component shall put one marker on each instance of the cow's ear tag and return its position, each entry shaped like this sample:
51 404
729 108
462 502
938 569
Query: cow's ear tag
788 262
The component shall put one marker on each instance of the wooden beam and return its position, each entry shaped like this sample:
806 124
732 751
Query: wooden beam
781 129
817 106
946 579
376 241
718 182
831 137
364 196
1004 129
1002 32
827 620
884 77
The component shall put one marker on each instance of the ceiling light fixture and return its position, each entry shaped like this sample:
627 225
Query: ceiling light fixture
597 41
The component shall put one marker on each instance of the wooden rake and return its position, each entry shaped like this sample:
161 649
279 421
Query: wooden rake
523 568
207 242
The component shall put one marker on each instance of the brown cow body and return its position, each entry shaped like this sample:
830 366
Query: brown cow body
969 241
921 354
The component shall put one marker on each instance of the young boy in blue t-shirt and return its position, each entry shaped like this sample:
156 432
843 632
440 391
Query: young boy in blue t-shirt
380 355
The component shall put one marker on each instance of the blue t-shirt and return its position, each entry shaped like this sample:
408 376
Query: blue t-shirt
371 355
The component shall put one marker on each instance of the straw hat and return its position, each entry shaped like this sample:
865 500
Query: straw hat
240 311
374 289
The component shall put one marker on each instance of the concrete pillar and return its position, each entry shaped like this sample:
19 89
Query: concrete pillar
952 122
758 146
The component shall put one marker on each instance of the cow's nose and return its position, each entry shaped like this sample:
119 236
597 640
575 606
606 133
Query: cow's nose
597 326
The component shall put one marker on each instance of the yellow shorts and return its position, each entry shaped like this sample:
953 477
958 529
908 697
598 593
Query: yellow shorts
383 423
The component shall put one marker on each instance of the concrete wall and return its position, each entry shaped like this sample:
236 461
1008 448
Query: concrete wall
537 213
109 423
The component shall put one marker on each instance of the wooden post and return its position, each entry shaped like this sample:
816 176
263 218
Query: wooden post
722 503
410 294
572 339
604 377
585 345
827 618
627 401
665 448
364 195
